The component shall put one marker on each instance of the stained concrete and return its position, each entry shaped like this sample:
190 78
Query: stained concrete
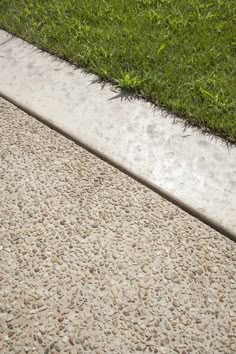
196 171
92 262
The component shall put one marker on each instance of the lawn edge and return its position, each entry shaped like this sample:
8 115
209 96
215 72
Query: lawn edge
182 117
121 167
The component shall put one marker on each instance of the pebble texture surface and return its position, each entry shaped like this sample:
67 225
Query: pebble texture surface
93 262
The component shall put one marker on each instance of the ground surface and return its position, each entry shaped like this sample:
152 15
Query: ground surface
93 262
180 55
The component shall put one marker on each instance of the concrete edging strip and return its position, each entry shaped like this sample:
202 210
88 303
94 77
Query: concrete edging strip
192 170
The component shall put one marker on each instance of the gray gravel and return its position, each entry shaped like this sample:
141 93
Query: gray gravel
93 262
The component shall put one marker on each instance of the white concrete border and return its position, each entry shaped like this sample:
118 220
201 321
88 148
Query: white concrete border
194 171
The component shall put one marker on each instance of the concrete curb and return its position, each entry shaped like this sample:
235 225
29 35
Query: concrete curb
191 170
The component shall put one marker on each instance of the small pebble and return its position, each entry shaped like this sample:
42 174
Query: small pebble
57 348
10 317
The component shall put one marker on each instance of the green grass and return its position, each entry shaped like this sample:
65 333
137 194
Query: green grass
180 54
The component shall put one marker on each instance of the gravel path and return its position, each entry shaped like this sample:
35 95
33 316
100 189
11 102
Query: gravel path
93 262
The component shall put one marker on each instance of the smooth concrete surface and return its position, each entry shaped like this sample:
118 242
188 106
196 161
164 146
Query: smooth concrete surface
93 262
198 172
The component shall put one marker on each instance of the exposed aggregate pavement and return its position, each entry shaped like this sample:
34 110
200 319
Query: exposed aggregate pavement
91 261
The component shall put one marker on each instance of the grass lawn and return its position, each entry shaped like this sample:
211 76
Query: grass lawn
180 54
